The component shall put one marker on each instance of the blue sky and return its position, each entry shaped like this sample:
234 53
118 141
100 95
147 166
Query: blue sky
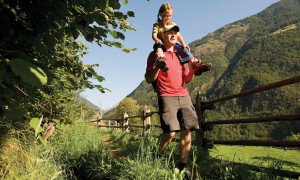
123 72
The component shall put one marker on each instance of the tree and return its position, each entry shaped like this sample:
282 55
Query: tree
129 106
40 56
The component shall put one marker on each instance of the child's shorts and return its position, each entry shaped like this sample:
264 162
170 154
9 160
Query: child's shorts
184 55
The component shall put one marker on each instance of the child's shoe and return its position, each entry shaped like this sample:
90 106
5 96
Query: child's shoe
162 64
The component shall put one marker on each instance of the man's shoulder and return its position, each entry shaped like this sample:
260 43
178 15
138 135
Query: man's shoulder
151 55
151 61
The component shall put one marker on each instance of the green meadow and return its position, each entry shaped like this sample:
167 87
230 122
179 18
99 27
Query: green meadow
261 156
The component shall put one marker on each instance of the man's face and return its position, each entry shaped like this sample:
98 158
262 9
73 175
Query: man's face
170 37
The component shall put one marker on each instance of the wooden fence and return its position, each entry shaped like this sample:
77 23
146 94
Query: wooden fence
202 105
123 123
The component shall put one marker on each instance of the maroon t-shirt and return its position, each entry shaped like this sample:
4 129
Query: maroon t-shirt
171 82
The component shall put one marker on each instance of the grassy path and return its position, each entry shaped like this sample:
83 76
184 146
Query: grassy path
117 152
133 157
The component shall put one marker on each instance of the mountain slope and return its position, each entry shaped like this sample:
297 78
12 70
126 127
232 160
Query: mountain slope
252 52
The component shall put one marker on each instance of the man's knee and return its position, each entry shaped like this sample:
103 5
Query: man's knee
170 134
186 134
185 137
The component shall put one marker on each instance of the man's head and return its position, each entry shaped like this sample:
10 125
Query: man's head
170 34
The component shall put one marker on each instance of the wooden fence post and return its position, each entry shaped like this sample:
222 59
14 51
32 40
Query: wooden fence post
99 122
147 120
116 124
201 134
125 123
108 124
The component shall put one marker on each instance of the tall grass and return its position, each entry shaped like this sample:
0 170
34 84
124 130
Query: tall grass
22 159
75 151
142 161
81 152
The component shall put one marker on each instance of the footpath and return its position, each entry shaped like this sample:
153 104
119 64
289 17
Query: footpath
117 153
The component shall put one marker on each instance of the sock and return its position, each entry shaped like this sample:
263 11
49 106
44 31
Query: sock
182 166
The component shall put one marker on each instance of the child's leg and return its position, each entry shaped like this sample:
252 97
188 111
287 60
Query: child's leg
160 53
184 55
159 50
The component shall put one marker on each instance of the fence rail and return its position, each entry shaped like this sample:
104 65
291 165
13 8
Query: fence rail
259 143
256 120
132 126
202 106
285 82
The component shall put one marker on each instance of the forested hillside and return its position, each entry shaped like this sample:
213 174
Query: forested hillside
248 53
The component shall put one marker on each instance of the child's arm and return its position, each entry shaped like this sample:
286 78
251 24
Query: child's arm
155 32
180 39
155 38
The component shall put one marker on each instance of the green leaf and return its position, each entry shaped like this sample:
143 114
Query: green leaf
101 89
114 34
101 18
130 13
114 4
125 2
120 35
110 10
102 4
29 73
94 73
116 44
34 122
126 49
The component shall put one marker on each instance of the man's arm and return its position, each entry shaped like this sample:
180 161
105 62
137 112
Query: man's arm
152 68
151 75
190 76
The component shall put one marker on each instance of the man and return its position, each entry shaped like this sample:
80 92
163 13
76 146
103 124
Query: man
175 106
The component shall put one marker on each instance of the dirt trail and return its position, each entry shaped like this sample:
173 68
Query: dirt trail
117 152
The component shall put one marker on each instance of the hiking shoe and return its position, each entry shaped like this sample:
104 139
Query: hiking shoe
186 174
202 67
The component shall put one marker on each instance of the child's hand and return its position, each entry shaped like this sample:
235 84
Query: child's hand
159 42
188 48
160 53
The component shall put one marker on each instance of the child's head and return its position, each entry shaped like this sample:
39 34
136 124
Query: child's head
165 12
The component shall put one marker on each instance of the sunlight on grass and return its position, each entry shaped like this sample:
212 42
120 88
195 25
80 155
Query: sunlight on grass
259 155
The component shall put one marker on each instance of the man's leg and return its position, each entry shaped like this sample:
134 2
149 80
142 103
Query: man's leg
185 146
165 140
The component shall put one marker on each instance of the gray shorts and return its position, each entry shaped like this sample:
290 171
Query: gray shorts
177 113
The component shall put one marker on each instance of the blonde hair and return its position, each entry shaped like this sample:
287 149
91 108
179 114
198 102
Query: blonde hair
164 9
